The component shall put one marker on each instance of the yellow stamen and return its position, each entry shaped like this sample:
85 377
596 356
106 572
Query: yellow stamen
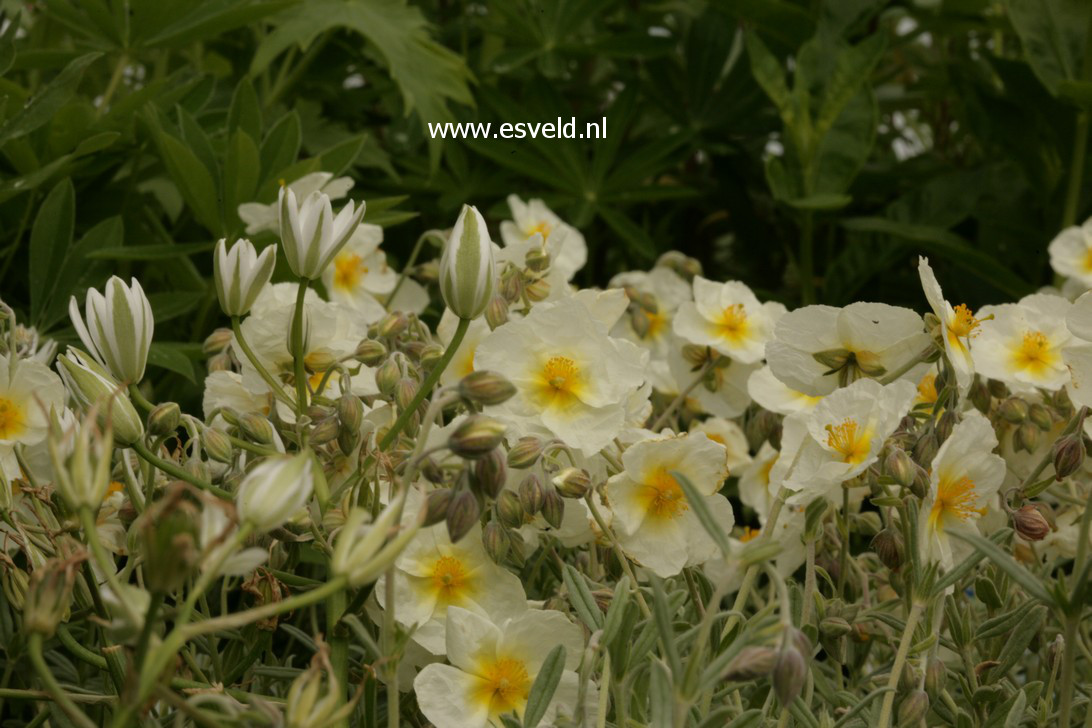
732 323
927 388
348 270
657 323
955 497
750 534
963 323
559 383
450 580
114 487
664 497
849 441
1035 354
12 420
542 227
503 685
1086 262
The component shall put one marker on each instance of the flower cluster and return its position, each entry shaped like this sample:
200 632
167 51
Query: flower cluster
509 509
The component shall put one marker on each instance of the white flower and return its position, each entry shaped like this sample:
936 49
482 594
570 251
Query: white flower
1071 253
818 348
727 318
467 268
652 515
1078 355
754 481
571 377
361 279
241 274
462 362
259 217
216 533
274 491
119 328
839 439
563 243
669 291
493 667
1022 344
964 478
771 393
729 434
958 327
28 393
311 234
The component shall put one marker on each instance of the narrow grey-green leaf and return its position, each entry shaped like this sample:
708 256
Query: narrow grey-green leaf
661 696
696 501
1007 564
581 598
544 687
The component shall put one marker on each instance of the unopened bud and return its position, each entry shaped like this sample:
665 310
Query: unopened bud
164 419
887 544
512 288
920 487
430 355
640 322
553 508
495 541
537 290
980 396
49 596
832 627
217 445
572 482
486 388
350 412
900 467
759 427
1041 416
216 342
789 674
219 363
462 514
913 708
1027 437
925 449
1014 410
324 431
1030 523
935 676
490 473
405 391
393 324
945 423
370 352
537 260
695 355
496 311
1069 455
256 428
525 453
532 496
476 437
752 663
436 505
509 509
388 375
170 535
433 473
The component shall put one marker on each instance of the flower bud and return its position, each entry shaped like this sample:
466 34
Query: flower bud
695 355
169 533
1027 437
900 467
914 706
789 673
887 544
49 596
1030 523
310 234
752 663
496 312
1041 417
118 331
490 473
314 698
1014 410
525 453
925 449
509 509
511 286
980 396
216 342
682 264
462 514
370 352
217 445
82 478
486 388
388 375
405 391
537 260
532 496
476 437
436 505
537 290
90 384
15 583
945 423
495 541
553 508
1069 455
572 482
163 419
325 430
350 412
466 266
274 491
256 428
240 274
363 550
833 627
219 363
935 676
430 354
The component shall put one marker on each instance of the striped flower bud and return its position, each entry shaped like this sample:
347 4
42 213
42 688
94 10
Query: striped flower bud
164 419
486 388
310 233
90 384
364 550
240 274
476 437
274 491
466 266
83 476
462 514
118 329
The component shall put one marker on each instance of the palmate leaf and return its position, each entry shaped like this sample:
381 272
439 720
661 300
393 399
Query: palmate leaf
428 75
1053 34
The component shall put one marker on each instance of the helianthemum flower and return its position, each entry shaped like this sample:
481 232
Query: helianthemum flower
563 243
1022 344
240 274
728 318
27 395
1071 253
819 348
573 379
965 477
652 514
361 278
957 326
493 666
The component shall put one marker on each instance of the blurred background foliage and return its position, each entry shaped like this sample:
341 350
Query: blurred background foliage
809 148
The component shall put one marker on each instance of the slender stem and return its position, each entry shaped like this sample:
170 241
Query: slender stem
807 259
809 583
154 603
681 396
77 716
618 551
275 387
105 561
297 347
112 86
1048 456
140 399
897 373
409 264
426 388
178 472
900 659
1076 170
339 646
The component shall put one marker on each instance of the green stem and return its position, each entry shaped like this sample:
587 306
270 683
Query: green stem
297 347
178 472
426 388
681 396
338 640
1076 170
900 659
409 264
154 603
274 386
807 259
618 551
140 399
77 716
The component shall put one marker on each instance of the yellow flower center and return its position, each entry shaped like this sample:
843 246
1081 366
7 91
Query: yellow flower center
12 419
955 497
1086 262
664 497
465 366
450 580
559 383
750 534
849 440
542 227
657 322
732 323
963 323
348 270
114 487
1034 354
927 388
503 685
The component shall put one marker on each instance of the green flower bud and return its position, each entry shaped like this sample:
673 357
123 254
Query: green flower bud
980 396
216 342
525 453
1027 437
370 352
1069 453
256 428
467 269
495 541
553 508
509 509
350 411
532 496
789 674
217 445
388 375
476 437
462 514
436 504
365 550
83 477
1041 416
430 355
913 708
393 324
90 384
325 430
900 468
752 663
275 490
1029 522
163 419
490 473
169 531
118 332
496 312
572 482
310 234
935 676
537 290
240 274
49 596
486 388
887 544
1014 410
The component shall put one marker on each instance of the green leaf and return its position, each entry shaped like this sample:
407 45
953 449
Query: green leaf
40 109
581 598
1053 33
662 615
7 44
661 696
78 267
1017 641
281 145
167 306
770 75
544 687
158 251
696 501
612 623
50 238
638 241
241 171
245 113
170 356
1006 563
193 179
428 75
213 17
